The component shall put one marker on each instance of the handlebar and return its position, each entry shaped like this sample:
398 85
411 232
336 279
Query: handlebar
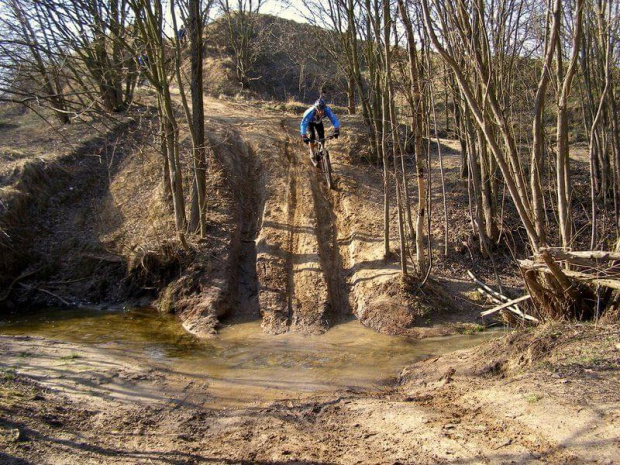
331 136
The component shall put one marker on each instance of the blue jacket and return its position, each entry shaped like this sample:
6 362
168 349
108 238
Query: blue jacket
310 116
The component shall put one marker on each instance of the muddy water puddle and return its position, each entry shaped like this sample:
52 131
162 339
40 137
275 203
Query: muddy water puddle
242 364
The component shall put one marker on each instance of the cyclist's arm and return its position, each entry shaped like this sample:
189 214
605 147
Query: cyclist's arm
305 121
332 118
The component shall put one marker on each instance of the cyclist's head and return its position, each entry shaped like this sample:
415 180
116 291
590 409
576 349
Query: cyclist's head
320 104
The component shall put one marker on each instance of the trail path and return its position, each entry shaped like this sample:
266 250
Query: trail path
318 252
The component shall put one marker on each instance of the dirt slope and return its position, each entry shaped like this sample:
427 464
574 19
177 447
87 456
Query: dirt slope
318 252
279 242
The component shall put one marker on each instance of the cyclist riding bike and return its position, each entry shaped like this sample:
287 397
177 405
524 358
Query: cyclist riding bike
312 125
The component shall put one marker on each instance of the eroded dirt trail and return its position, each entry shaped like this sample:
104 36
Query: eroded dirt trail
319 252
296 270
308 300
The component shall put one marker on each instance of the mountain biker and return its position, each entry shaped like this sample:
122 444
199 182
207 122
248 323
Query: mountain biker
312 124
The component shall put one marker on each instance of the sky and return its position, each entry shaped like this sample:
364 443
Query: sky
292 11
287 9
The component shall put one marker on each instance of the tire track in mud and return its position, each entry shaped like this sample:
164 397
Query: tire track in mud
247 306
273 260
289 235
291 203
331 261
308 287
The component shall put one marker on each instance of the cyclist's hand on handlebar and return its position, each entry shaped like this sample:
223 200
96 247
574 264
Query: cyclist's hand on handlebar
305 139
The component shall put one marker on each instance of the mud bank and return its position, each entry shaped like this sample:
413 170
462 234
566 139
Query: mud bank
46 194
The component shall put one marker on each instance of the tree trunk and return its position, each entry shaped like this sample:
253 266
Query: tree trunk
563 161
198 196
417 111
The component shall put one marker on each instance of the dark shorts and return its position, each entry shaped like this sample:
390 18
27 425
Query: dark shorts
315 129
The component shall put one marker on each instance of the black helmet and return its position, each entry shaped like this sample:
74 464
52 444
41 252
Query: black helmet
320 104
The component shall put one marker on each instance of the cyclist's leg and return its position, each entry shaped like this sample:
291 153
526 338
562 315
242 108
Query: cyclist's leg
320 131
312 144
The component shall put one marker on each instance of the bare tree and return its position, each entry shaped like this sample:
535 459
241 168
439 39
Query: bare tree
77 51
241 34
149 16
484 106
417 113
564 83
37 66
197 13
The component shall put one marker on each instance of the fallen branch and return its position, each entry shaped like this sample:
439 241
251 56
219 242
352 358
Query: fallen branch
512 308
588 254
577 275
561 255
19 278
503 301
611 283
45 291
486 290
505 305
103 258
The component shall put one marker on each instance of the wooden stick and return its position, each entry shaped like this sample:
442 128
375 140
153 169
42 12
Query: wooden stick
495 296
10 288
512 307
524 315
487 288
501 299
588 254
505 305
68 304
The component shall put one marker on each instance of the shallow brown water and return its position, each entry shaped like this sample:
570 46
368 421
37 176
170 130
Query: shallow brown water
242 364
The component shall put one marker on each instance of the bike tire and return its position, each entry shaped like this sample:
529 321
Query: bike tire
327 169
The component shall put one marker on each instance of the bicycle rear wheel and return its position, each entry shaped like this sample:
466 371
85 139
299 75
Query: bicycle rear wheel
327 169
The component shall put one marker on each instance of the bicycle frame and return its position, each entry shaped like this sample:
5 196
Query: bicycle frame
321 152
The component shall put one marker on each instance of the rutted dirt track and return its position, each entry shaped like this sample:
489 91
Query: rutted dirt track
318 252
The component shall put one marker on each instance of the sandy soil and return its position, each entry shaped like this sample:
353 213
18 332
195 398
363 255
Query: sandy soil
548 396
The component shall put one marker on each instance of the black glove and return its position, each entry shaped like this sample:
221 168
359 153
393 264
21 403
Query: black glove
305 139
336 133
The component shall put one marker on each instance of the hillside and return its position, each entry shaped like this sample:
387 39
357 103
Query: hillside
290 62
88 222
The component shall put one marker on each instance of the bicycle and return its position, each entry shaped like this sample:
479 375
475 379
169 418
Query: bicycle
321 154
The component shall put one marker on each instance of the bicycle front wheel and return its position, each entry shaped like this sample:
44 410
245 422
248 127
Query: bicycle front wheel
327 169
